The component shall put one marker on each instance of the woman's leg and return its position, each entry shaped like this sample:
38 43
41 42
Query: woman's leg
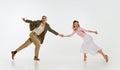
85 57
104 55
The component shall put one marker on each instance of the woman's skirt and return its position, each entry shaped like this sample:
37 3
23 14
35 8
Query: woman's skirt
88 45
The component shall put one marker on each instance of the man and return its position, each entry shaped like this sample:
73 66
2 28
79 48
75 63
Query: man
38 31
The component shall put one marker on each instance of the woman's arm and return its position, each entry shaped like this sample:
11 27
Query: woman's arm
70 34
92 31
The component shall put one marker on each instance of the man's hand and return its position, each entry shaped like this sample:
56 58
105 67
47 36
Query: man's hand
61 35
24 19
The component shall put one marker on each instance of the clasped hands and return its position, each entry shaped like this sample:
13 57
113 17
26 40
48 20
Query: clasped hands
61 35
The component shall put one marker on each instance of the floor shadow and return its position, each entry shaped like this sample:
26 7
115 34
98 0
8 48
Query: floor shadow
36 65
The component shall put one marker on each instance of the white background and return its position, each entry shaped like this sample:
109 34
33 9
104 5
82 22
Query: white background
59 53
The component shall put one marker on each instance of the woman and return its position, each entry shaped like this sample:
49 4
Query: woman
88 45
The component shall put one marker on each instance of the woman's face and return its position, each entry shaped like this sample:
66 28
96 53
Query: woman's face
76 25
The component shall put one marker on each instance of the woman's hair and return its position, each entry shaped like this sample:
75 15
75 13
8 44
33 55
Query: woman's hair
75 21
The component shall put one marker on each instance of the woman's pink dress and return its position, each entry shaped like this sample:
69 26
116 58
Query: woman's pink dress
88 45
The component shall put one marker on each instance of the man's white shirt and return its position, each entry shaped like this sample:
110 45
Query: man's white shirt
39 29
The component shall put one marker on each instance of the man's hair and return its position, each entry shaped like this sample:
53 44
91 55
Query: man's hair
44 16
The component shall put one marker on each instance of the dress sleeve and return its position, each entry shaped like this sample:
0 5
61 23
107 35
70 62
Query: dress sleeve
70 34
84 30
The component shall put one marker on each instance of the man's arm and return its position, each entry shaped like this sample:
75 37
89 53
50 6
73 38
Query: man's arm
32 24
54 32
27 21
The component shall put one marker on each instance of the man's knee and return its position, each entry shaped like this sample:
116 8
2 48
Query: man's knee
37 45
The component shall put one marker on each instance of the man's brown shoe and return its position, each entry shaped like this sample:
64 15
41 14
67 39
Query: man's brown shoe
36 58
13 54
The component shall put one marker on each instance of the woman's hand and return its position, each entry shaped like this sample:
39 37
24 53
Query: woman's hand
96 32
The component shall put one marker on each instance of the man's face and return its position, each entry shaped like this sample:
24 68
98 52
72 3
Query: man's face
44 19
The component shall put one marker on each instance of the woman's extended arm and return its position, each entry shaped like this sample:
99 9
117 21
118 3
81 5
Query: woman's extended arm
70 34
92 31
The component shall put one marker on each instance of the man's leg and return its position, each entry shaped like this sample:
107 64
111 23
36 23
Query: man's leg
28 42
36 42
